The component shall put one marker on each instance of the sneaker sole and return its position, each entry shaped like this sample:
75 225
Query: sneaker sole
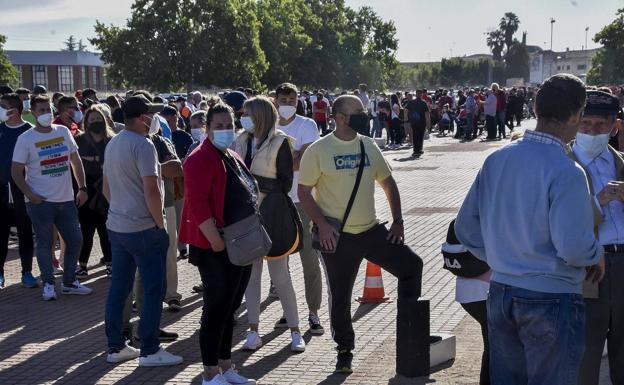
297 350
251 348
121 359
49 299
74 293
154 364
317 332
344 371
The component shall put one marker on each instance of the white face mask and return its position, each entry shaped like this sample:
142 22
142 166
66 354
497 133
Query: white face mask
287 112
4 114
154 126
26 104
45 120
196 133
592 145
77 116
247 123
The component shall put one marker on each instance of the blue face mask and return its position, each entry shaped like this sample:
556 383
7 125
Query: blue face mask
592 145
223 139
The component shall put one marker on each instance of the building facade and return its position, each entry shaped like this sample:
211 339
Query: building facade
545 63
63 71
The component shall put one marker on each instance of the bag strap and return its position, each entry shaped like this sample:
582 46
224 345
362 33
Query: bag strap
358 179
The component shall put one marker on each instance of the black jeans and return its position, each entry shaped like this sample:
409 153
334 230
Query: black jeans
23 224
478 311
605 321
490 126
418 138
224 287
396 136
342 269
90 222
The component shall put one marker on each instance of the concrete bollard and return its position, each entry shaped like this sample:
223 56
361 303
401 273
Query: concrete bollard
412 342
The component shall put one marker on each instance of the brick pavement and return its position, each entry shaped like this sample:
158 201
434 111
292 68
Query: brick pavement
63 342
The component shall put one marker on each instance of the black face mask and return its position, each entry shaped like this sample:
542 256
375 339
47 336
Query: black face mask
97 127
359 123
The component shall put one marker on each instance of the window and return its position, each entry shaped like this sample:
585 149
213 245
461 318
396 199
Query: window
94 82
581 67
40 76
558 68
83 71
21 75
568 67
66 78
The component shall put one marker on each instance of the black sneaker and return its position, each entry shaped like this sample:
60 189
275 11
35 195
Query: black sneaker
109 271
315 325
163 336
81 272
127 335
282 323
183 255
343 363
198 288
174 305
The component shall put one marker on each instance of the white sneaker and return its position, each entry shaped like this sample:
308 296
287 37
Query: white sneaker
298 344
125 354
216 380
253 342
232 377
75 288
160 358
49 292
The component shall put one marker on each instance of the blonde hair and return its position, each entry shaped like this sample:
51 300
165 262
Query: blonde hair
263 114
98 110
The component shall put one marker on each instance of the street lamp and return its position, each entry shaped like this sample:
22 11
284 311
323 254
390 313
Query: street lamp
552 23
586 29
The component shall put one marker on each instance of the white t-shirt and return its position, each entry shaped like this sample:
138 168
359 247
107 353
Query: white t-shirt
305 131
46 156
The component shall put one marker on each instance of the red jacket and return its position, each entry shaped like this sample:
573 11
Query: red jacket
501 100
73 127
204 193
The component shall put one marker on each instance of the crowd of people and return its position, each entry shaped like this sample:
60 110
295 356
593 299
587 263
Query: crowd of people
163 179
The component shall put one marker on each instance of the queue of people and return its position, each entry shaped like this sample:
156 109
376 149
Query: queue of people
161 181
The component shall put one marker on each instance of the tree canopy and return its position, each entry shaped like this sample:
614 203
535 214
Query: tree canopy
507 51
606 66
8 73
256 43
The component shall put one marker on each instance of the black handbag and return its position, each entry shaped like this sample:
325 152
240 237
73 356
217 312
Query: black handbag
337 223
458 259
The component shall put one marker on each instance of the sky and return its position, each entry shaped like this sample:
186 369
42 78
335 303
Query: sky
428 30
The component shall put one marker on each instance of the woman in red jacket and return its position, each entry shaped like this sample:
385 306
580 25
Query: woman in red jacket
219 191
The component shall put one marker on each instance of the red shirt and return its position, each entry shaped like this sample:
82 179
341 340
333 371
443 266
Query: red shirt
501 100
320 116
204 193
73 127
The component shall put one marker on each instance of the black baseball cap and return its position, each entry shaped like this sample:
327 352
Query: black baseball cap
601 103
136 106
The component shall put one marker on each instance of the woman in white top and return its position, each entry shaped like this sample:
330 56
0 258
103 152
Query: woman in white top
395 123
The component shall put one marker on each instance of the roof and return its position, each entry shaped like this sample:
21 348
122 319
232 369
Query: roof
73 58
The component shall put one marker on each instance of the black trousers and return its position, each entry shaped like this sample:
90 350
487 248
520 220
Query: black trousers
90 222
490 126
604 320
418 139
224 287
23 224
478 311
396 134
342 269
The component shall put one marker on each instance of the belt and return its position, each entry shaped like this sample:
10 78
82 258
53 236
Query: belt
614 248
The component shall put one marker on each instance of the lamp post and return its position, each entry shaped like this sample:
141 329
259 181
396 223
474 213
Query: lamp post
552 23
586 29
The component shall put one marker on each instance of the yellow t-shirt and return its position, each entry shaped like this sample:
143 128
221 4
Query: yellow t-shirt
330 165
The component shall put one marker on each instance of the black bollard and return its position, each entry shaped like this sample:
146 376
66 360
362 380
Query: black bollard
412 346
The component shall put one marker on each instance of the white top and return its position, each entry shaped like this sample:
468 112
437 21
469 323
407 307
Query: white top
46 156
601 170
305 131
469 290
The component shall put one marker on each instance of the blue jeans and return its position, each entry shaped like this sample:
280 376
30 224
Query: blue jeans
468 131
63 215
535 338
146 250
377 129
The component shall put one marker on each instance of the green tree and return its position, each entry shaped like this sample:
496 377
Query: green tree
606 66
508 25
496 41
8 73
70 43
165 46
517 61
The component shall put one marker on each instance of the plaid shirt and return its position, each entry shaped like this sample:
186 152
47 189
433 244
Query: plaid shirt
542 137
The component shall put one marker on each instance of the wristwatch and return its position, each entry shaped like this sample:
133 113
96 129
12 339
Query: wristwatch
398 221
83 189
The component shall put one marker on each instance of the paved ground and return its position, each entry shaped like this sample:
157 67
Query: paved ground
63 342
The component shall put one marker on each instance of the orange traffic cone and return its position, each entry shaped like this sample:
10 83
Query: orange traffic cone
373 286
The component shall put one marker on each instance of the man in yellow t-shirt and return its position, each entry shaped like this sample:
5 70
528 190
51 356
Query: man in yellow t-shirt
329 167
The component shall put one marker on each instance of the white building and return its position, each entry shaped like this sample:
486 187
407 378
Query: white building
545 63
